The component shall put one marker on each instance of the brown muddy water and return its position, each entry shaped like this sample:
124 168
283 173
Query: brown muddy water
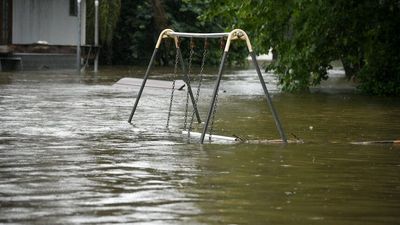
68 155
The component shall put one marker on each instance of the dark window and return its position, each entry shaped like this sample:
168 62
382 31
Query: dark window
73 8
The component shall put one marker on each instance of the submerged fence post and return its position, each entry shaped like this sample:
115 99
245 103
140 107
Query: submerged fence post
96 35
78 41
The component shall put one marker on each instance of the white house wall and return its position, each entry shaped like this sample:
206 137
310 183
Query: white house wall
46 20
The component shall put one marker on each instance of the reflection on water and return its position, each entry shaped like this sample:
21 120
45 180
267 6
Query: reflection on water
68 156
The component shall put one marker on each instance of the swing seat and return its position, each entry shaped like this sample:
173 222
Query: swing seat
214 138
219 139
150 83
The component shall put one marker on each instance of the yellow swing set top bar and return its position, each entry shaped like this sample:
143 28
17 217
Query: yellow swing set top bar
236 34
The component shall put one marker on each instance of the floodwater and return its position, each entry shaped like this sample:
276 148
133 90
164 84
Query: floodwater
68 155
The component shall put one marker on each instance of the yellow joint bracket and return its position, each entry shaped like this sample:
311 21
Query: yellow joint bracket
238 34
166 34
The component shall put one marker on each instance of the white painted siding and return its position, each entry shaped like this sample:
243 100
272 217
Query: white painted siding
46 20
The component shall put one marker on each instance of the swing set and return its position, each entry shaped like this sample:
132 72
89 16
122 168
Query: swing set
236 34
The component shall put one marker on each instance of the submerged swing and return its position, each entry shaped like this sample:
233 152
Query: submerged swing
236 34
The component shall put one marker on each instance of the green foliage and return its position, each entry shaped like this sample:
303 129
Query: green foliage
381 73
142 21
134 29
109 13
306 35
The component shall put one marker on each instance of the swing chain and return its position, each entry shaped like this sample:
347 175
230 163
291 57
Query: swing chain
203 61
173 86
186 111
191 53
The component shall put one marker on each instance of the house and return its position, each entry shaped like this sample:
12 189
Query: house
37 34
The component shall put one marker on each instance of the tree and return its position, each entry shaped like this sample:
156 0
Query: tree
109 13
307 35
142 21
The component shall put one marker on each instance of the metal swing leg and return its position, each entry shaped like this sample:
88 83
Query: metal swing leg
212 105
189 88
146 77
143 84
269 101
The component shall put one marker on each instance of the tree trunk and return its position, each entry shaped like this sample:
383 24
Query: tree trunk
159 16
352 68
160 22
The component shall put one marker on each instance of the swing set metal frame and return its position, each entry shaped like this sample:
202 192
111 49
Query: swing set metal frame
236 34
